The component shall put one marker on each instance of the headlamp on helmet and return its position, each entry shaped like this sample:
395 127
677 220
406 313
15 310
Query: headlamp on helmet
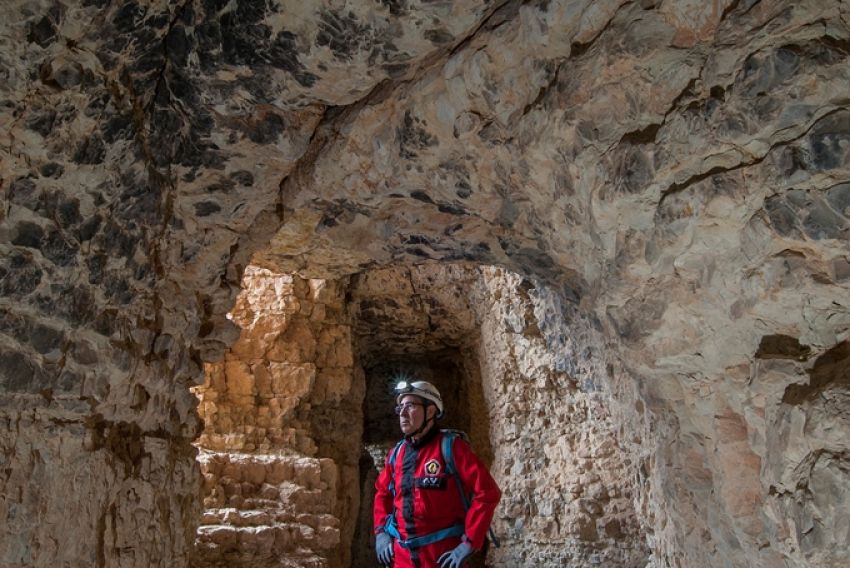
422 389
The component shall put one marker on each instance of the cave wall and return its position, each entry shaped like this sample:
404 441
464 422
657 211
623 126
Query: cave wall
677 170
567 479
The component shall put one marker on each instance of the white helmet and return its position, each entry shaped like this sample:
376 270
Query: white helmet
422 389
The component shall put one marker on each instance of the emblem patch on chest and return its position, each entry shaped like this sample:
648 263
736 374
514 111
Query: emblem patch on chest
430 482
432 467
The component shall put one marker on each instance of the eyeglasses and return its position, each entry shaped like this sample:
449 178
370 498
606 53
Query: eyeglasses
406 407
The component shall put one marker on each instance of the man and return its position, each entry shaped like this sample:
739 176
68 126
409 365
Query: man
421 520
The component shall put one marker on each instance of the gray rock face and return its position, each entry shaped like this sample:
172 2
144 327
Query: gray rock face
673 177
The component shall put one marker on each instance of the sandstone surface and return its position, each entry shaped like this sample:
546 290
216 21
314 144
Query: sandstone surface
664 185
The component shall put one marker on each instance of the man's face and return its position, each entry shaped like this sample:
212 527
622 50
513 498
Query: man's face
413 413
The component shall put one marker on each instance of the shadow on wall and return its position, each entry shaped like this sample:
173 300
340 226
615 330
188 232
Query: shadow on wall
810 492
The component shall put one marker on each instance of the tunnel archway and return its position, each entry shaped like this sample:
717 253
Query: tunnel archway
419 322
298 417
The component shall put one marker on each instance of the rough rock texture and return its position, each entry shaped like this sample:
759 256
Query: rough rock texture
283 418
267 510
282 422
672 173
567 481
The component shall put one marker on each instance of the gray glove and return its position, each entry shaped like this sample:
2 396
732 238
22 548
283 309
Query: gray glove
455 558
384 548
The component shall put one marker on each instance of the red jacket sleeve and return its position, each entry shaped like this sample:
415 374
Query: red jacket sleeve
383 498
478 483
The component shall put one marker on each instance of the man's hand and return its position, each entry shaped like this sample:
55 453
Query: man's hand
384 548
454 558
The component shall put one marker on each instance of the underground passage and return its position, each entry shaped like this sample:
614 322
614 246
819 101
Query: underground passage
298 418
613 234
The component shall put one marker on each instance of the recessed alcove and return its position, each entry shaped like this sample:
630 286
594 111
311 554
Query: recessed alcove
447 371
298 417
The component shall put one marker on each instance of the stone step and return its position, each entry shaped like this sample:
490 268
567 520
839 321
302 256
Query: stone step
263 540
266 510
308 472
266 516
226 493
265 481
297 559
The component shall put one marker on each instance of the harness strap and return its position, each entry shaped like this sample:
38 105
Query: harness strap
392 466
423 540
448 457
447 441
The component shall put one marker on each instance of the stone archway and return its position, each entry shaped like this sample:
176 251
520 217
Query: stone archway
297 418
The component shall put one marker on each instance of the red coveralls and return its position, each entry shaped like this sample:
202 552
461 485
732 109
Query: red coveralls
427 498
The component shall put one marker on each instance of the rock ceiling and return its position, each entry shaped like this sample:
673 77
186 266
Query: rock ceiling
676 171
